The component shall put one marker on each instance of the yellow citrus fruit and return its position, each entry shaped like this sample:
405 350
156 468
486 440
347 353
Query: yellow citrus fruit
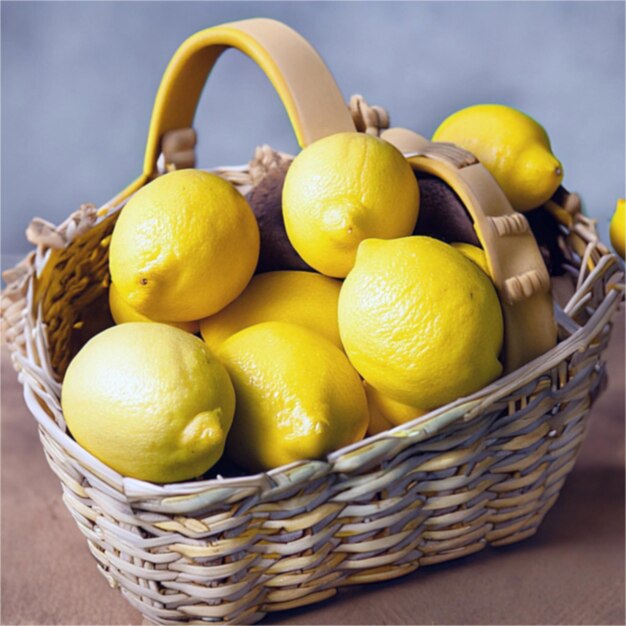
378 422
301 298
385 411
149 400
298 397
343 189
420 322
184 247
473 253
122 313
512 146
617 229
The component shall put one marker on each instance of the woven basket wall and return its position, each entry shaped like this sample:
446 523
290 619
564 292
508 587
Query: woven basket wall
481 471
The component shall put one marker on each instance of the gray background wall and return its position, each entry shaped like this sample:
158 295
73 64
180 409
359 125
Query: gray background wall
79 78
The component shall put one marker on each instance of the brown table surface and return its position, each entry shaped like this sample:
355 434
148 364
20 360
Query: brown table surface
571 572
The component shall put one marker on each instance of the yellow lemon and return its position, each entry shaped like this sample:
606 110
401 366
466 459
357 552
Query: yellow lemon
149 400
298 397
420 322
378 422
386 413
512 146
122 313
617 229
301 298
343 189
184 247
473 253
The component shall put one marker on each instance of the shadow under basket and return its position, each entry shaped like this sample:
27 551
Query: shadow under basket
481 471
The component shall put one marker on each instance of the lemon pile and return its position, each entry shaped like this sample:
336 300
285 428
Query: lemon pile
210 358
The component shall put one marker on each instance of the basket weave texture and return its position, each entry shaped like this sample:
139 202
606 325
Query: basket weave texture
481 471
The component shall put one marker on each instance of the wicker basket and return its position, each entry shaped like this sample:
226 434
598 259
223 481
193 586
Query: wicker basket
481 471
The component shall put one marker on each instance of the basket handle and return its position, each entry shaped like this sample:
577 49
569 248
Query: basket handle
305 85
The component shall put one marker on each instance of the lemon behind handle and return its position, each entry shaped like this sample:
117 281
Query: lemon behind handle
513 257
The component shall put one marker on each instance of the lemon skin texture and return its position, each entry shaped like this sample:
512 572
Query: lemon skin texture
378 422
473 253
123 313
421 323
184 247
150 401
302 298
343 189
617 228
512 146
387 412
298 397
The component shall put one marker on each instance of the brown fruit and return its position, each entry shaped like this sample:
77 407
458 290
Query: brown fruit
276 252
442 214
547 230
